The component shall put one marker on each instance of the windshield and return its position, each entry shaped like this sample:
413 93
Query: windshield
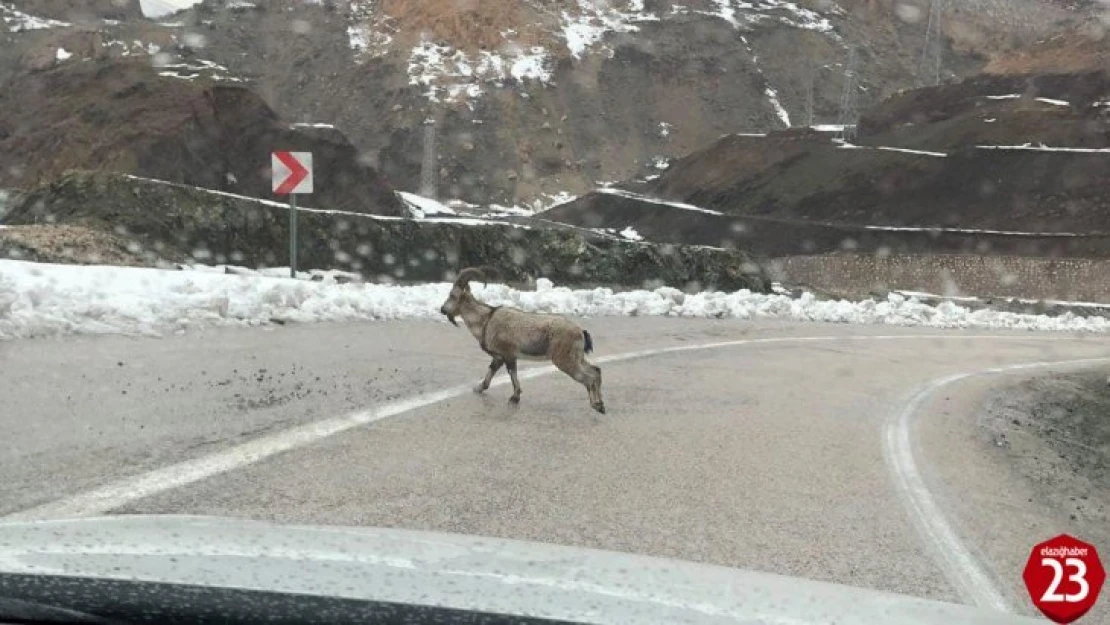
815 288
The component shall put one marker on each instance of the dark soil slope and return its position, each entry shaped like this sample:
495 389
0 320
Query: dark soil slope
923 159
1054 109
124 116
774 237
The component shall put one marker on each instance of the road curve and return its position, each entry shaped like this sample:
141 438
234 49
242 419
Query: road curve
838 453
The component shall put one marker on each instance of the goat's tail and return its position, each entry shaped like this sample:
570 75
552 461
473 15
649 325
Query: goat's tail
589 341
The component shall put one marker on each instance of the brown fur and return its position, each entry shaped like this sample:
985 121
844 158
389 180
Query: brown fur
510 334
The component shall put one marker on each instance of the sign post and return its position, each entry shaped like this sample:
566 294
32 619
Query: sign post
1064 576
291 174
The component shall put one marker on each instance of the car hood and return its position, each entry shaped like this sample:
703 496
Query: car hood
449 570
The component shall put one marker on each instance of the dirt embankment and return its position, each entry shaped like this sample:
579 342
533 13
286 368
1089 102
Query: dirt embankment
773 237
917 163
805 175
124 116
161 221
1054 431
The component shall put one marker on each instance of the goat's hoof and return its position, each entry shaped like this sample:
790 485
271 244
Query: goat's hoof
478 390
514 400
600 408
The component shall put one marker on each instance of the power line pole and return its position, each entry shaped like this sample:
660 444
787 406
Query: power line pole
848 113
810 79
928 70
429 168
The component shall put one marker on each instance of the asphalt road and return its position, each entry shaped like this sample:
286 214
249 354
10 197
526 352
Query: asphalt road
832 452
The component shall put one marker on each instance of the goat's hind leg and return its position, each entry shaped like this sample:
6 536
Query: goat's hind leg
511 366
593 385
494 367
589 376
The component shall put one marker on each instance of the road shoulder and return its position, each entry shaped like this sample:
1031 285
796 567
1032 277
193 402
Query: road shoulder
1018 459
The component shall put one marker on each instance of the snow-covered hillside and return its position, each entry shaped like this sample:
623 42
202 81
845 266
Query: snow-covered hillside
450 69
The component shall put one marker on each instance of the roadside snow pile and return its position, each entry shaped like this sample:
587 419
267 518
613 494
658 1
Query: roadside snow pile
38 299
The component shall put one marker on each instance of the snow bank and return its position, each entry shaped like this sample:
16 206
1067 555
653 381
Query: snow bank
38 299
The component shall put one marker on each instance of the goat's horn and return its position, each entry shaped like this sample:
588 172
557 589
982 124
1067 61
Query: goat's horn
468 274
490 273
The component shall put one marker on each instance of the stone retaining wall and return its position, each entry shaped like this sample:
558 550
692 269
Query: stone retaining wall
855 275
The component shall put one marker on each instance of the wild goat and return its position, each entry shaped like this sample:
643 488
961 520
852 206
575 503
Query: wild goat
508 334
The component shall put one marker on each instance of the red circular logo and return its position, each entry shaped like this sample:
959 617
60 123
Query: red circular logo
1064 576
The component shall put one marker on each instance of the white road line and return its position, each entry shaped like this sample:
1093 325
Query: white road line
960 566
111 496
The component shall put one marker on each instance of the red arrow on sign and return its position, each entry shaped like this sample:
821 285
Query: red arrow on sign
297 173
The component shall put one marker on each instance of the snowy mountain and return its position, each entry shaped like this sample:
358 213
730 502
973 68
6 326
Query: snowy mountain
515 101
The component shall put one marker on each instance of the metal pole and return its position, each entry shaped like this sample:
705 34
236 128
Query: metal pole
292 235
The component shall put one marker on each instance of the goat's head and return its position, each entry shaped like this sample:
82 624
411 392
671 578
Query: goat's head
460 292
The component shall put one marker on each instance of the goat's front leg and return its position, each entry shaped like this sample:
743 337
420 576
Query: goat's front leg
511 366
494 367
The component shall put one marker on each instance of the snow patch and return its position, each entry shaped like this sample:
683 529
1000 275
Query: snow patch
40 299
161 8
844 145
442 68
773 98
420 207
1053 102
746 13
1013 233
630 233
593 20
1044 148
651 200
62 54
18 21
909 151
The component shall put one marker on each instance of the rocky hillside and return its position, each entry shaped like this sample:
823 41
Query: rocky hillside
179 123
109 218
525 99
